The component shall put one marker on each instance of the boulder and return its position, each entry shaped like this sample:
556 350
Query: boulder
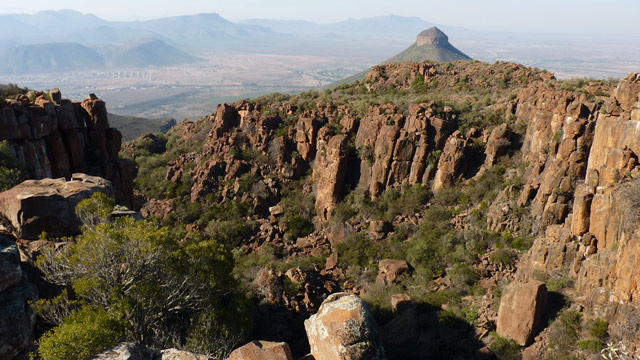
344 329
521 310
389 271
175 354
262 350
47 205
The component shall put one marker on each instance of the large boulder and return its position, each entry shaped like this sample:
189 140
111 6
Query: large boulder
344 329
521 310
47 205
262 350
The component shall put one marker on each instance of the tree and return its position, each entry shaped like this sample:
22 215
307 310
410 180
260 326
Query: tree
137 271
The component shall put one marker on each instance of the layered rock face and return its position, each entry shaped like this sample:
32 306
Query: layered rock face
48 205
432 36
58 138
596 240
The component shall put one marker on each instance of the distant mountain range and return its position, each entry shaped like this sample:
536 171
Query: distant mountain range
61 57
67 40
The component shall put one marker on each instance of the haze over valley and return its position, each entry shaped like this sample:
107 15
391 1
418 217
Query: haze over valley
181 67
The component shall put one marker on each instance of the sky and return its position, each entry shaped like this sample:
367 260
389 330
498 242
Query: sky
586 16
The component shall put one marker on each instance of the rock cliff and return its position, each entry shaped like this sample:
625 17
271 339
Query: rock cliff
58 137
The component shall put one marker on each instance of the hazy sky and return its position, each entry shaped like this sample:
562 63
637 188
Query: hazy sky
611 16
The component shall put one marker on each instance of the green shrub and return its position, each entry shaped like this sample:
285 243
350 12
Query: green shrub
141 275
82 335
505 349
356 250
462 277
564 334
12 171
298 226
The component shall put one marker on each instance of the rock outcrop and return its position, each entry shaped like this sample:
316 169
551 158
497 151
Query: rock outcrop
262 350
344 329
390 271
521 310
432 36
329 172
47 205
60 137
597 245
17 318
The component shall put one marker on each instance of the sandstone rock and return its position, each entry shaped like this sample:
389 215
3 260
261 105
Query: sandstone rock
97 113
390 271
497 144
175 354
581 209
330 171
48 205
262 350
378 229
521 309
55 95
306 136
450 161
400 302
343 329
432 36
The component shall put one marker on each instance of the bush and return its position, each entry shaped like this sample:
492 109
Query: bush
12 172
356 250
462 277
82 335
505 349
140 274
564 333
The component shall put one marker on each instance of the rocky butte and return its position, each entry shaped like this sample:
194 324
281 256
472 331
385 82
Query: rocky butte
404 216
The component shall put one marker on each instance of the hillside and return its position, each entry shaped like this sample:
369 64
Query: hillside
146 52
431 45
52 57
452 209
133 127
